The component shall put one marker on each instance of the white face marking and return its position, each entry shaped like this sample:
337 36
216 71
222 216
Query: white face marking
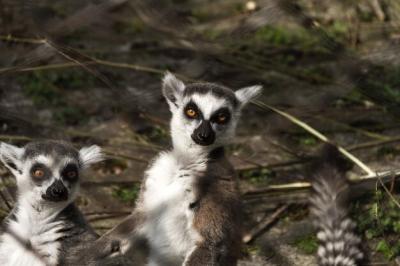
182 127
31 190
207 103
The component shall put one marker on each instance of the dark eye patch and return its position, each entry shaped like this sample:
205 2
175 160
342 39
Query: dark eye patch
222 112
70 172
192 106
40 168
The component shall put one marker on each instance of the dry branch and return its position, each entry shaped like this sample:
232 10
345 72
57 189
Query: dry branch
317 134
260 228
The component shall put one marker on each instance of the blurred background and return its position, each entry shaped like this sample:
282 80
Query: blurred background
90 72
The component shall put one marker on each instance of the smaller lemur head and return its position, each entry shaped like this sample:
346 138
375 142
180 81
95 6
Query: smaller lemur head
48 171
204 115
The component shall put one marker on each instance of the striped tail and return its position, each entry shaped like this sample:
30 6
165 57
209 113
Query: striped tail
339 245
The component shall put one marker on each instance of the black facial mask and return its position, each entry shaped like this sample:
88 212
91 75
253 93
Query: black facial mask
204 134
56 192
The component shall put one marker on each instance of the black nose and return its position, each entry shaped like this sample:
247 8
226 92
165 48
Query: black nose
204 134
56 192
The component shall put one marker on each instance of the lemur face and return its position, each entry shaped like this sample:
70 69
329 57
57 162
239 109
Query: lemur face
48 171
204 114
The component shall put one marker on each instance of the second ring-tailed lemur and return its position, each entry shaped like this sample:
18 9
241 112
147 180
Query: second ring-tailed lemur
189 210
339 245
45 227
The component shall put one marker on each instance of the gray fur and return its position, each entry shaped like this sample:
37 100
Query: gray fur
53 148
339 245
217 90
71 232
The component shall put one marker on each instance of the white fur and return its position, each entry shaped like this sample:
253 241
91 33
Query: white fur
11 154
166 199
247 94
172 88
34 216
90 155
34 226
168 189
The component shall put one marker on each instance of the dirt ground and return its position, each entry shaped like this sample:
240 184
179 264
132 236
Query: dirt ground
90 71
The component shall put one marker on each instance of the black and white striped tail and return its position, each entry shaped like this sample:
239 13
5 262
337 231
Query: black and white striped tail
339 245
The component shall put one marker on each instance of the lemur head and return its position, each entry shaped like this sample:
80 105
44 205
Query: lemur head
48 171
204 115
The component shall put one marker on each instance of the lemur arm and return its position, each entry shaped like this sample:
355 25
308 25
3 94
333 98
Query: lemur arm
209 255
217 220
116 242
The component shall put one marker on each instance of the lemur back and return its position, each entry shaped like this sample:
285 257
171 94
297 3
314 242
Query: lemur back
339 245
45 227
188 210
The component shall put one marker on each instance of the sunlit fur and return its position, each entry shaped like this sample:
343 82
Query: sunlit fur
35 220
168 188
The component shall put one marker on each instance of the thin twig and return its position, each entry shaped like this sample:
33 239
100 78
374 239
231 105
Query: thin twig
357 130
14 138
388 192
317 134
260 228
132 158
370 144
10 38
386 175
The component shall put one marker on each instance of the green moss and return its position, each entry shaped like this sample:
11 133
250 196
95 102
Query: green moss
127 194
388 250
211 34
200 15
154 134
68 115
132 26
305 139
258 176
387 152
382 85
39 89
47 90
307 244
338 30
279 36
380 220
251 250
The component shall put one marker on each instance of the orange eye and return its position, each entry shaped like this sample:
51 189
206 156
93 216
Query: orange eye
71 174
191 113
221 118
38 173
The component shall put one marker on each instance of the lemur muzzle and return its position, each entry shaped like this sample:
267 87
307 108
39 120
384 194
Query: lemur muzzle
56 192
204 134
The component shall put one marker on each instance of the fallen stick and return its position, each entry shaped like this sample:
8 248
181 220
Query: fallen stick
260 228
383 176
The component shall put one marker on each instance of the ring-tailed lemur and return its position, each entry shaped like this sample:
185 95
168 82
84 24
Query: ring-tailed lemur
339 245
45 227
189 210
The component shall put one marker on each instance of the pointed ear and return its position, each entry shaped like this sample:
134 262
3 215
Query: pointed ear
172 89
11 157
90 155
245 95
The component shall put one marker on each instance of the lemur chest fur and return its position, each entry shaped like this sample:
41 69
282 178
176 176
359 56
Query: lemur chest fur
39 240
167 197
